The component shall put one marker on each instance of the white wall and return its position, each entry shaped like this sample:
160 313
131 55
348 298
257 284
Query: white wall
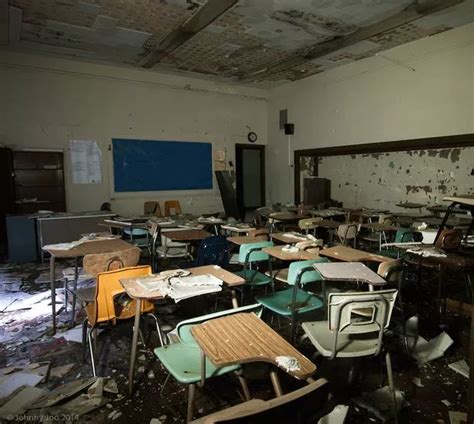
45 102
375 100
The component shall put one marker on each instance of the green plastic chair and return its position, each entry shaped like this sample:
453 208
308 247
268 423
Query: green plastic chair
249 254
403 235
183 359
294 301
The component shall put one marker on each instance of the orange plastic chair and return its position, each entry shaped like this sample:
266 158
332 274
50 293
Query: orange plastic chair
172 205
152 208
105 310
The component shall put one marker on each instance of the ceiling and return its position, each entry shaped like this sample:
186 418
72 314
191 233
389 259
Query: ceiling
247 41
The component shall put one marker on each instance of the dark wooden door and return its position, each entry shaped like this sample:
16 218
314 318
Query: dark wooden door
7 204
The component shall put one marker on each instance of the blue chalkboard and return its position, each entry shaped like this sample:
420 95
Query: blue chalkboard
148 165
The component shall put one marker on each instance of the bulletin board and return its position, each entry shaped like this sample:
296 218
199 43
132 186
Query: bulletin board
156 165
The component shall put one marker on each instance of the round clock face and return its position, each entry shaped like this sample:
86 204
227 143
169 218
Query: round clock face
252 137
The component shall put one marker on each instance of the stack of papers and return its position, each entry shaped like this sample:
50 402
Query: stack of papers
296 236
179 285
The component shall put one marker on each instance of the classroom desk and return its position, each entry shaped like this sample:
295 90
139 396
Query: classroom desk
240 240
289 238
328 224
187 235
244 338
237 229
135 291
300 255
79 251
349 271
327 213
348 254
381 229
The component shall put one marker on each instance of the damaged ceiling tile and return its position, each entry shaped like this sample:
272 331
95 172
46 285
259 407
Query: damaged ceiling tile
253 41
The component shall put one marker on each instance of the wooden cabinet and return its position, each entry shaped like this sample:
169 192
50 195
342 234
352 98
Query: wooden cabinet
39 181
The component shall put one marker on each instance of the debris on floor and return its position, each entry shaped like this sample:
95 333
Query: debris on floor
461 367
336 416
19 403
456 417
379 402
425 351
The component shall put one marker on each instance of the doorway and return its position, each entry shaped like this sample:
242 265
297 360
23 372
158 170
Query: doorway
250 177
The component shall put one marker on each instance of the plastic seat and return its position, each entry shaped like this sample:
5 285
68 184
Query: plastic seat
403 235
183 358
172 207
347 233
105 309
348 334
213 251
295 301
152 208
249 254
172 249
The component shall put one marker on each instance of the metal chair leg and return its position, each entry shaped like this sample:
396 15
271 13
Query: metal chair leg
158 328
164 384
91 349
391 385
243 384
191 399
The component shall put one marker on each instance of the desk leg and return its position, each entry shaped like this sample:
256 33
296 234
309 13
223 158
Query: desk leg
276 383
136 330
74 299
235 302
52 276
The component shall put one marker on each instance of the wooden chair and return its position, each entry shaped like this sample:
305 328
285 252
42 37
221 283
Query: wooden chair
172 205
258 232
303 405
152 208
95 263
308 224
104 309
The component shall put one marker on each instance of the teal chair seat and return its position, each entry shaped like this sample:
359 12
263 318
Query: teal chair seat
390 253
184 363
136 232
253 277
281 302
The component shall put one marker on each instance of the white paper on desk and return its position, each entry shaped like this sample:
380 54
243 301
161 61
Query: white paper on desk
195 285
296 236
62 246
85 161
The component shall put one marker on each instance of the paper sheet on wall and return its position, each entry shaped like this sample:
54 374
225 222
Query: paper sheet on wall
85 161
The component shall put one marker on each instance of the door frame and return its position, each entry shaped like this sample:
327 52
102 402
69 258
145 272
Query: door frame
239 148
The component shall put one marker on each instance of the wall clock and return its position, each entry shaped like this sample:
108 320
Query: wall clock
252 137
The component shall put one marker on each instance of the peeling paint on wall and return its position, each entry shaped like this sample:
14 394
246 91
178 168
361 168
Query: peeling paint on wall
385 179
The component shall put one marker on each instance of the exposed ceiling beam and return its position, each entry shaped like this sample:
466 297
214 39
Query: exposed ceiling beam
205 15
4 22
415 11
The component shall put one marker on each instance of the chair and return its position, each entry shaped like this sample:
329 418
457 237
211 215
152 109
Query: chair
385 219
258 232
95 263
138 236
251 254
294 301
183 358
170 248
308 224
348 334
346 233
106 309
303 405
213 251
172 206
403 235
152 208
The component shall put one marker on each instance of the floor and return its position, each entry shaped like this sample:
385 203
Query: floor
430 391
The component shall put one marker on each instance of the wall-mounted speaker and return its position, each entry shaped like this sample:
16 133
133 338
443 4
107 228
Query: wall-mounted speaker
289 129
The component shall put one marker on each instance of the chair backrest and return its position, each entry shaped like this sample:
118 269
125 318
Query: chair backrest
213 251
184 327
308 223
390 270
347 232
152 208
449 239
108 287
295 271
385 219
302 405
258 232
404 235
345 319
95 263
254 256
172 205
